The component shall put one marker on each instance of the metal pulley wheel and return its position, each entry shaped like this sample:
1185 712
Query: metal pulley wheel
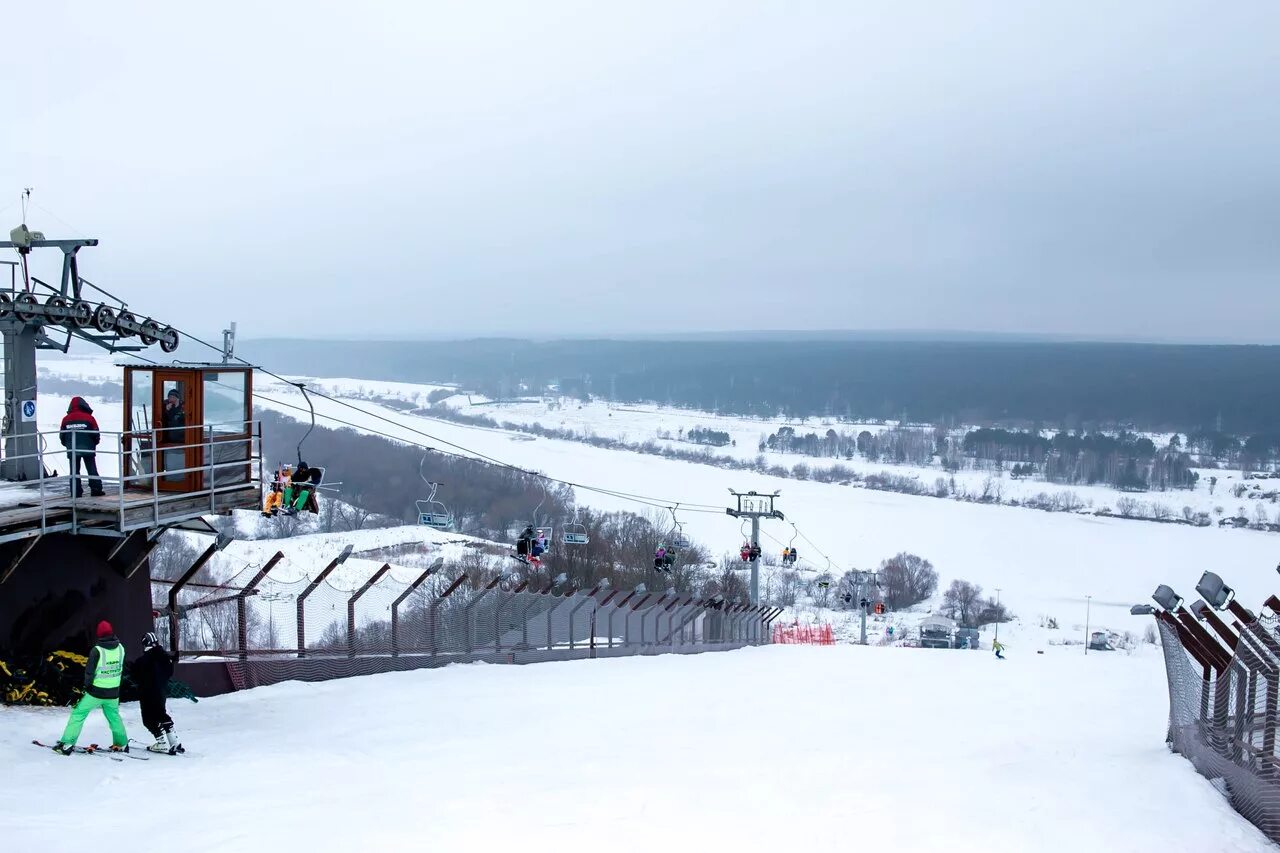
81 314
104 319
123 330
168 339
26 307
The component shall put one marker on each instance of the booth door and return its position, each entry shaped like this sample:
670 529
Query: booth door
177 422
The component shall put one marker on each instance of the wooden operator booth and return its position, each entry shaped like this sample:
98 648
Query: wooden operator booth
191 426
188 447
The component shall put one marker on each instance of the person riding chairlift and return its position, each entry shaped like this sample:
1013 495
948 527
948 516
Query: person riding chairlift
660 557
275 497
745 552
300 494
755 551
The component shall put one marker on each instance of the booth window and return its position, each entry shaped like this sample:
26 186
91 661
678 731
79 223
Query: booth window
225 403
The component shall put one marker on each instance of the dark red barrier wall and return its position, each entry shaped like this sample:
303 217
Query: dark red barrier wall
63 589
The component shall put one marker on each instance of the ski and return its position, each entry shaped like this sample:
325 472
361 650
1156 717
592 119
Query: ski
82 750
107 751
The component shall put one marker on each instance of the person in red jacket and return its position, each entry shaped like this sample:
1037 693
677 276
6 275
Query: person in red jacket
79 435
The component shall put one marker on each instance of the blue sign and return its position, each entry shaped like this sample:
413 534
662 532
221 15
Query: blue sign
28 410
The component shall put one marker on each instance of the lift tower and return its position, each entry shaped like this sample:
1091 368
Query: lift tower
37 315
755 506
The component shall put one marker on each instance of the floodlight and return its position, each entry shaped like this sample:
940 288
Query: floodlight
1197 608
1166 597
1141 610
1215 591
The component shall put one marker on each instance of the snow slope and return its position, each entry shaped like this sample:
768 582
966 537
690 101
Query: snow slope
760 749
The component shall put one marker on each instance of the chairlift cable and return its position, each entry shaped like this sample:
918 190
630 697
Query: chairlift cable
466 453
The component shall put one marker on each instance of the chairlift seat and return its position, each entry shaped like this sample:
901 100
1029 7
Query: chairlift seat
575 538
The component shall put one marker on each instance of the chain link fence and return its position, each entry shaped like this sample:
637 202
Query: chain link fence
269 631
1224 693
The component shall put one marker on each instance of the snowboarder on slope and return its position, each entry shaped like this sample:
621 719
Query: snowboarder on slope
102 676
152 671
997 647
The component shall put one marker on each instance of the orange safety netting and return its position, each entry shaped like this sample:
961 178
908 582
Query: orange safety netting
809 635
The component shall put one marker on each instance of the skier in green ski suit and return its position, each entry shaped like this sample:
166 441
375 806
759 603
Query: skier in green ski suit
101 690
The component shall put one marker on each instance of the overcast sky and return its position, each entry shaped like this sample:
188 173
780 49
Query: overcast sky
1095 169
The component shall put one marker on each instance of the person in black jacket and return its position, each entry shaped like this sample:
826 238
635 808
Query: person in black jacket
151 672
79 435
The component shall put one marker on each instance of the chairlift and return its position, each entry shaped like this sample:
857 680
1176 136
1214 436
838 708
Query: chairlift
678 538
789 555
535 541
432 512
573 532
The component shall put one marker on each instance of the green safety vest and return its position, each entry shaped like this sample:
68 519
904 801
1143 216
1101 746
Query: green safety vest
110 668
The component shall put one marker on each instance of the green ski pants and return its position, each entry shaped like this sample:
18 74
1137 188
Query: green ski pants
110 710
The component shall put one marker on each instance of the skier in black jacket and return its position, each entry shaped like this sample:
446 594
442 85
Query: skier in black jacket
151 672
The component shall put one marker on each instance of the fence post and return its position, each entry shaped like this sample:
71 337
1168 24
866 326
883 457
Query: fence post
615 609
351 607
574 612
302 598
594 611
242 605
568 595
645 615
524 618
626 627
689 617
466 612
431 614
219 543
497 614
671 618
395 605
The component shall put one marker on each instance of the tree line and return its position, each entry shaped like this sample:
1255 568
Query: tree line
1071 385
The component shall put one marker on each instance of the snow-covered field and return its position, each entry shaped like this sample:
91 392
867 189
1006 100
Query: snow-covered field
1045 563
761 749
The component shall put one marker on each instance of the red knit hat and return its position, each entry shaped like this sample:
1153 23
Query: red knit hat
105 629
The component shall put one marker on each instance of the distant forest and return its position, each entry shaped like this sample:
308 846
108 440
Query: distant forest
1069 385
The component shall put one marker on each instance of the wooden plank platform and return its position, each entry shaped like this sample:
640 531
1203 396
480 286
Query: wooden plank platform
59 513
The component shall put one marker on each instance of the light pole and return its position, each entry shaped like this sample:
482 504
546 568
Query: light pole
1088 599
997 614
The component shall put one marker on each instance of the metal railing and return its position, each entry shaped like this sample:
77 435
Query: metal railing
269 631
130 467
1224 702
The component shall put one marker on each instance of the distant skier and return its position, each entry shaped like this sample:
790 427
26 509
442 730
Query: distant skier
102 676
997 647
151 672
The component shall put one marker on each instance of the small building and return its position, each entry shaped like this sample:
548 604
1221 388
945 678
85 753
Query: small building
937 632
967 638
1098 642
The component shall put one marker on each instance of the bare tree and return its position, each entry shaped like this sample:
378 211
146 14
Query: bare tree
962 602
906 580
